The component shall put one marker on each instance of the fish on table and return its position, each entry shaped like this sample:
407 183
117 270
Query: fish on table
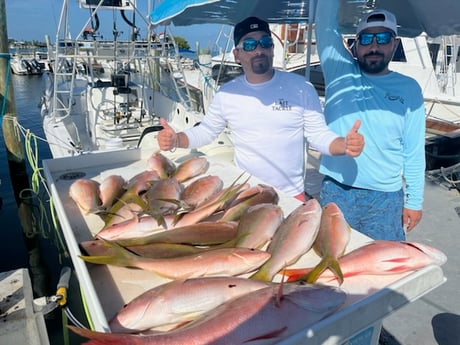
216 262
110 189
258 194
85 193
379 257
258 225
268 314
293 238
135 227
191 168
161 164
180 301
331 242
151 250
201 190
200 234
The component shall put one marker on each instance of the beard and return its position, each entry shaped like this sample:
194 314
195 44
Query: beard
260 64
373 67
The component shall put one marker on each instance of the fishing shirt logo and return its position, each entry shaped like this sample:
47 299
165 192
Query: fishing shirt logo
394 98
281 105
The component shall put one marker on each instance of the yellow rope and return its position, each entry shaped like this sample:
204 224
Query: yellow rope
39 194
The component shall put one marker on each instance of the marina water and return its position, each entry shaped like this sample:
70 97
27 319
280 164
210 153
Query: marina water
39 251
14 247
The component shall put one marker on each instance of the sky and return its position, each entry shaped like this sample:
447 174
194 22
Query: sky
29 20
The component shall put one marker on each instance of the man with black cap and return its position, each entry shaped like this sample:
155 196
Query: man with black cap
369 188
269 113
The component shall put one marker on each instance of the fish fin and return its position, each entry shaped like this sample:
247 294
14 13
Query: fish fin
180 325
295 274
334 266
237 240
121 256
262 274
182 206
177 218
229 244
327 262
100 338
314 274
232 190
176 202
161 221
130 196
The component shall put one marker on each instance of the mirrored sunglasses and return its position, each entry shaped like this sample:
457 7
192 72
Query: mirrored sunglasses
251 44
381 37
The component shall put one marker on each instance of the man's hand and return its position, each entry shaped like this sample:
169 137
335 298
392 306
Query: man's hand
411 218
167 137
354 141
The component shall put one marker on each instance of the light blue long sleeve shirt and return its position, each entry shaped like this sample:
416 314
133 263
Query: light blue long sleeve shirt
392 114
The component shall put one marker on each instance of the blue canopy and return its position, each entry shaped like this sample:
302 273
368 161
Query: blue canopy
435 17
188 12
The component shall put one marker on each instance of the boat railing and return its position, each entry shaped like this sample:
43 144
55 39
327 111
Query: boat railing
448 59
125 51
111 49
174 65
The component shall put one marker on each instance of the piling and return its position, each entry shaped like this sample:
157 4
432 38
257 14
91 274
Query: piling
12 139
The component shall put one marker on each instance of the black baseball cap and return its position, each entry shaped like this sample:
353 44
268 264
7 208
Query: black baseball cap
248 25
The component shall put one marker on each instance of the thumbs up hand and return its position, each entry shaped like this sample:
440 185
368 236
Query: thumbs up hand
167 137
354 141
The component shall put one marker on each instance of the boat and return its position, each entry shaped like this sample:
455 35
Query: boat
21 65
108 94
435 64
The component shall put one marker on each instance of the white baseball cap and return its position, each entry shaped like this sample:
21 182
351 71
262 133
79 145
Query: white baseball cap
378 18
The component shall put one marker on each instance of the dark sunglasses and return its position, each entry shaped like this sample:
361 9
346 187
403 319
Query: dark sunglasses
382 38
251 44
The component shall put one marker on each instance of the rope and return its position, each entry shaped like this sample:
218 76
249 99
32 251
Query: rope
39 194
452 171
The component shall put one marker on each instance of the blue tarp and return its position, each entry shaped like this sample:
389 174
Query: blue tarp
435 17
188 12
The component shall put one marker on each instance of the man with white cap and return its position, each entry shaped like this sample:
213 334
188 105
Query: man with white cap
270 113
381 191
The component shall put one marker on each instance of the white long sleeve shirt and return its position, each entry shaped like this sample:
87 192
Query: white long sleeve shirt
268 122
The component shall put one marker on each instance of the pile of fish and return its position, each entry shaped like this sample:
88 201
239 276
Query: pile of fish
221 248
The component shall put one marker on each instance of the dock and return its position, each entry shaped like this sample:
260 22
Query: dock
20 324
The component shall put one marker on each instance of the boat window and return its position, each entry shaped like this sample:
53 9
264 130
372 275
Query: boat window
120 80
433 48
225 73
102 84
